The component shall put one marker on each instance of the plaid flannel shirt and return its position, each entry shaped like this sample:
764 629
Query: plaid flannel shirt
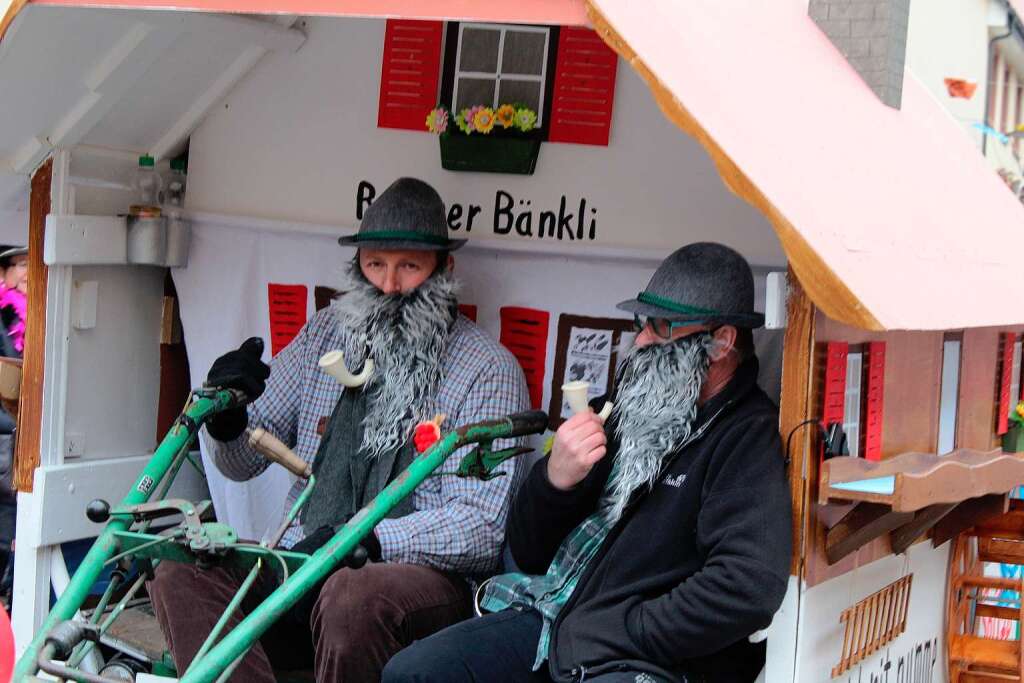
458 524
548 594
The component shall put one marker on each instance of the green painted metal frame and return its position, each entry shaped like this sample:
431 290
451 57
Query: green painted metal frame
106 546
303 572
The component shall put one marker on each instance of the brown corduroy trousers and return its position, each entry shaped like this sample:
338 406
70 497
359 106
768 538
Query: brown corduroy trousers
346 631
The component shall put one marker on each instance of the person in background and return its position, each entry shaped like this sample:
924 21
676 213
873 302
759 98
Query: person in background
14 300
13 263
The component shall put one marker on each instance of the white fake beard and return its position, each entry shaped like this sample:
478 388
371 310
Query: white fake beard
655 408
406 335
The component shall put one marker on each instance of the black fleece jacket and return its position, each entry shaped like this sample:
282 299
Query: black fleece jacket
694 566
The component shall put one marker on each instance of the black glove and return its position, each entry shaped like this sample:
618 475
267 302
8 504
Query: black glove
242 370
367 549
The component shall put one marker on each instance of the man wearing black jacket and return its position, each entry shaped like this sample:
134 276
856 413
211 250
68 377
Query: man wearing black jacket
657 545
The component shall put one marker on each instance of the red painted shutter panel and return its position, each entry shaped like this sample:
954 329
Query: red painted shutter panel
584 88
409 73
524 332
287 314
1005 379
833 392
874 401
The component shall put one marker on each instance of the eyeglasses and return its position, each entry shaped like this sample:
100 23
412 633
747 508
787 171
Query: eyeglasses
661 327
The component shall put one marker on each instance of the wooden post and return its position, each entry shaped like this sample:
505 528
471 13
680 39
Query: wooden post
796 407
26 457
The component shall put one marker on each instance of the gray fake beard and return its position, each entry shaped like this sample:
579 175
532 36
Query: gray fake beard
655 408
406 335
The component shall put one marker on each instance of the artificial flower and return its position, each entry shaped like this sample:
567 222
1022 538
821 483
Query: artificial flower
525 119
437 120
483 119
505 115
464 120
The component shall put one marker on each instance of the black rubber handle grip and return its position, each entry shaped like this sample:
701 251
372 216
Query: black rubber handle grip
528 422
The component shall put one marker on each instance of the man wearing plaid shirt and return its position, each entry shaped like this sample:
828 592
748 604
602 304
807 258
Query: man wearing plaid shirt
400 311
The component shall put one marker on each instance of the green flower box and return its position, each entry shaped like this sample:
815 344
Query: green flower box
1013 440
485 154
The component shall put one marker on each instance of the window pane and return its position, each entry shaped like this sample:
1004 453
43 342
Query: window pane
948 396
527 93
479 50
472 92
851 404
524 53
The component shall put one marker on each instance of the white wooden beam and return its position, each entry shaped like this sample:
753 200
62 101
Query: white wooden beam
122 66
28 157
176 135
241 30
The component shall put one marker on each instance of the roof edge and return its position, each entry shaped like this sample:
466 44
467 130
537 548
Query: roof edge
828 292
9 15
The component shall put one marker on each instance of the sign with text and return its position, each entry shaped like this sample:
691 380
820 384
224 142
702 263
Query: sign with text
573 220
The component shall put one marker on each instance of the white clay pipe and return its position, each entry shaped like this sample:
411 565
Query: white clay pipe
575 394
333 363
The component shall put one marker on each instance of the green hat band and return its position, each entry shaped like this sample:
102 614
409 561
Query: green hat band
400 235
655 300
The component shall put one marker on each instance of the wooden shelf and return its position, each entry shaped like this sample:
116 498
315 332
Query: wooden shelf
914 481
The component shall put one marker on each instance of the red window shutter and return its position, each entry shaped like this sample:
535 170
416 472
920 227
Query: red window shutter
584 88
468 310
524 332
874 400
287 314
833 391
409 73
1005 379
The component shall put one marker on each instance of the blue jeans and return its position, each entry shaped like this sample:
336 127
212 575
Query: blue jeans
495 648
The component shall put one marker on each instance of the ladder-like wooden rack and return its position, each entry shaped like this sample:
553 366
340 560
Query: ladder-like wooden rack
973 657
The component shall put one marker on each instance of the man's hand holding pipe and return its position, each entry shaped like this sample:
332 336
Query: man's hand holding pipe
579 443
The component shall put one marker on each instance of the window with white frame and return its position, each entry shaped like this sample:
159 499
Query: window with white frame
852 400
948 394
499 64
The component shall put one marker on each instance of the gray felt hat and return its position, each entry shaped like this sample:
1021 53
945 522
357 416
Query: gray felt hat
705 282
407 215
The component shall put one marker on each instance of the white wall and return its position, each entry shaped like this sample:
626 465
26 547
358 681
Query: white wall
295 138
949 38
14 227
922 645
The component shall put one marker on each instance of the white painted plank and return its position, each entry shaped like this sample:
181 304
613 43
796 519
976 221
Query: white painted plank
124 64
68 489
76 240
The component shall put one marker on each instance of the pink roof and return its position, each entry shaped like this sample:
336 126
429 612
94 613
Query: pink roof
562 12
891 218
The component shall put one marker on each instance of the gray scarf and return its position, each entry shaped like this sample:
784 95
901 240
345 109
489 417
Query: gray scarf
366 443
655 408
406 335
